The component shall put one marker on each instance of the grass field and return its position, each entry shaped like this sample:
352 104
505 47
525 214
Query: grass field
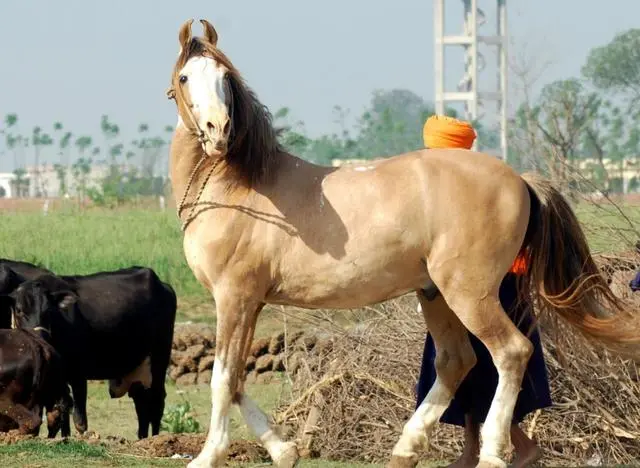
69 242
116 417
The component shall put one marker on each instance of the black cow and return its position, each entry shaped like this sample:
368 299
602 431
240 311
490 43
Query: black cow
115 326
12 274
32 378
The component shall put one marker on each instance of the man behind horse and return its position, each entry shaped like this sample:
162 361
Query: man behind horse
472 400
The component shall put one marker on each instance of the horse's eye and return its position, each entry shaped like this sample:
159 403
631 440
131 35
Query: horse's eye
183 79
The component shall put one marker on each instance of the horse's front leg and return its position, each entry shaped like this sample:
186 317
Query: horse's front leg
236 315
236 318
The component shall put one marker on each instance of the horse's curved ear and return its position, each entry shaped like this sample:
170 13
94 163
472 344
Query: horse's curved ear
210 33
184 36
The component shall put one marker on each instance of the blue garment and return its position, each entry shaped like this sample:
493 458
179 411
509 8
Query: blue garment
635 282
478 388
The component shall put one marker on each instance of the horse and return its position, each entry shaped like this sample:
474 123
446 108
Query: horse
262 226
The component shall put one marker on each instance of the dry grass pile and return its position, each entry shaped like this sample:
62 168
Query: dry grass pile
351 401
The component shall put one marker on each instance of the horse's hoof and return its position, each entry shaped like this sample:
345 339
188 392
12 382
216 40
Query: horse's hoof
289 457
491 462
402 462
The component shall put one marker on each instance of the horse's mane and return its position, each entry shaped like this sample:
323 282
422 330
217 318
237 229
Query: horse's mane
253 142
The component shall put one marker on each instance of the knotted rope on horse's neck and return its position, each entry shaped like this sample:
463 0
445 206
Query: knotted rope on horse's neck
202 139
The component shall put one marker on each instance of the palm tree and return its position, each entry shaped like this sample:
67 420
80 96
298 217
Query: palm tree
21 183
65 144
11 120
11 141
81 169
110 131
39 140
60 167
82 143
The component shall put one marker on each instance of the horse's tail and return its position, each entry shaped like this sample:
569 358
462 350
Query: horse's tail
566 280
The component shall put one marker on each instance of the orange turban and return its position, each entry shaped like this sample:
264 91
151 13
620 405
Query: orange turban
441 131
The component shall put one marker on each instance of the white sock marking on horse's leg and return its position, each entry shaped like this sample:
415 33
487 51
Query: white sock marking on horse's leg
215 448
495 431
417 430
259 424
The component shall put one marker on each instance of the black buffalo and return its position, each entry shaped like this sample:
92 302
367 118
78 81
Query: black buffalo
12 274
32 379
115 326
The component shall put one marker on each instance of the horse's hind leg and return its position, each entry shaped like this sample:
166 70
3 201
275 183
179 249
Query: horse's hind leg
483 315
283 454
454 358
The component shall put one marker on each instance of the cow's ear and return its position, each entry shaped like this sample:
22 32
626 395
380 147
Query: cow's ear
65 299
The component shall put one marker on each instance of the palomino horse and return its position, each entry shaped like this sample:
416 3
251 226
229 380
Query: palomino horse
262 226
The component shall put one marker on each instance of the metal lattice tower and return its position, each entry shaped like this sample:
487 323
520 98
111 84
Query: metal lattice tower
470 40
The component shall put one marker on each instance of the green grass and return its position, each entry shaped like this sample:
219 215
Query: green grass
607 229
116 417
71 454
69 242
81 243
77 243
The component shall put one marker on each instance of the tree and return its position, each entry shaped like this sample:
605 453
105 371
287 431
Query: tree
558 123
291 135
64 144
110 132
615 67
12 142
392 124
20 183
82 143
11 120
81 170
150 148
38 140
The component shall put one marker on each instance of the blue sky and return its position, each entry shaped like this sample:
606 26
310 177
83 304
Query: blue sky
74 60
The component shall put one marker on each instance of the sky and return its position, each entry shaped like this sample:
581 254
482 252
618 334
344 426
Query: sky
75 60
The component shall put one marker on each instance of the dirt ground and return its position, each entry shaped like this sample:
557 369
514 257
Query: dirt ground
161 446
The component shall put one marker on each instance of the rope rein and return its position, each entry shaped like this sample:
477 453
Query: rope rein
202 139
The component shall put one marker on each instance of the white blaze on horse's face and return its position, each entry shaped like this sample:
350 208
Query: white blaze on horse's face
203 82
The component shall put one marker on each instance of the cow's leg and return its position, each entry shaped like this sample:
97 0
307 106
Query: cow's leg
140 397
79 389
58 415
454 358
236 317
66 425
156 396
157 393
27 420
